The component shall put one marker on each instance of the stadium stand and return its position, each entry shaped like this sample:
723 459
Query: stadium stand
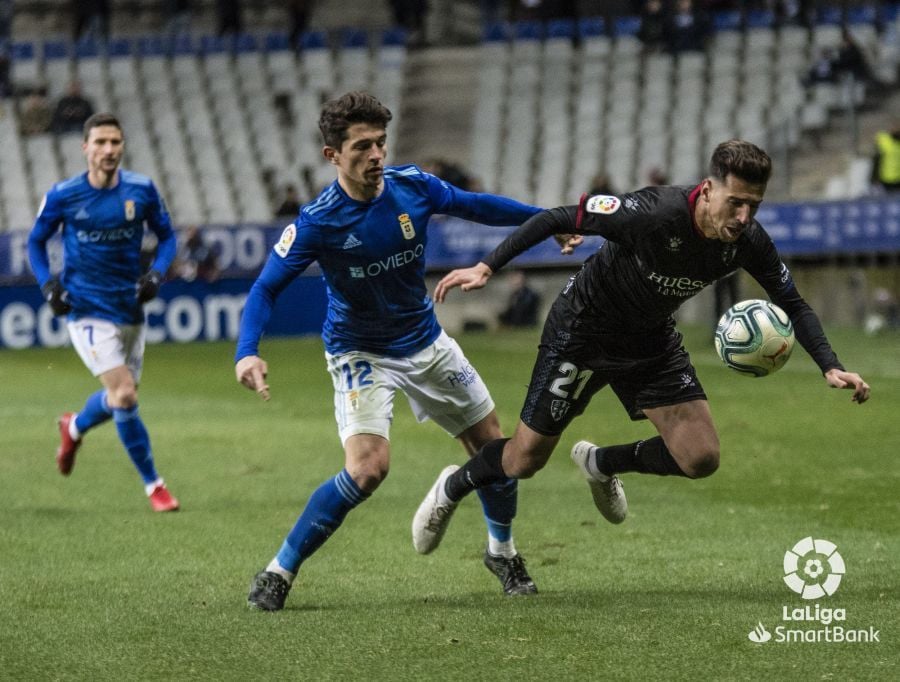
223 122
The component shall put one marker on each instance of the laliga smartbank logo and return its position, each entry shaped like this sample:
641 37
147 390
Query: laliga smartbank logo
813 569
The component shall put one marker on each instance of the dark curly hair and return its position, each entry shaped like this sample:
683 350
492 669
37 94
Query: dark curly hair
353 107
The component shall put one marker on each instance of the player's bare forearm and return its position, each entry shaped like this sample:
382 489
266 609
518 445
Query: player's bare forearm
251 371
465 278
839 378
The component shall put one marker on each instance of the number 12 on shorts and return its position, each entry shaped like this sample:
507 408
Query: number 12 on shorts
360 370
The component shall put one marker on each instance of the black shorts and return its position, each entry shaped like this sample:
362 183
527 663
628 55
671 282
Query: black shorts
648 370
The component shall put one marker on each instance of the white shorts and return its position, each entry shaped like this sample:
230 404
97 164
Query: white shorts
104 345
438 381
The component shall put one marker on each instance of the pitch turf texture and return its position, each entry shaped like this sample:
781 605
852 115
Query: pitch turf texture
94 586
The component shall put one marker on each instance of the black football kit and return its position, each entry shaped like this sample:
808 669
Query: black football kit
613 321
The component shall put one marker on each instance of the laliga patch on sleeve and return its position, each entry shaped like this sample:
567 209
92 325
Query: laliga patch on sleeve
603 203
287 239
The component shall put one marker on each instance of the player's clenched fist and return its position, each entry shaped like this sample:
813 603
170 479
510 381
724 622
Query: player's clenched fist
251 371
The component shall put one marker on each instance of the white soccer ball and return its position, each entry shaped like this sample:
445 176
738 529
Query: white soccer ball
755 338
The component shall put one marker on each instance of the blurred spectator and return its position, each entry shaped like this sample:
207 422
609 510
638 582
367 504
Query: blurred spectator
654 21
228 17
491 11
6 88
885 312
299 12
178 17
852 60
656 176
36 114
822 68
688 27
290 206
91 19
195 259
6 17
72 110
410 14
600 184
451 172
524 302
886 163
727 292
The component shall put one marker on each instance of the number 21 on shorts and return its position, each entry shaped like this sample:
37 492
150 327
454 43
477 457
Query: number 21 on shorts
571 382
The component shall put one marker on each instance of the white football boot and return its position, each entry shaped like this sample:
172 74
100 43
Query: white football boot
607 491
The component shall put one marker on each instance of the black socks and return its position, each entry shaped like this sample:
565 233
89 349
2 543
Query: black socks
649 456
481 470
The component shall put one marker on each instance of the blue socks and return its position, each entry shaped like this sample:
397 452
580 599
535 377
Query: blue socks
499 501
325 511
136 440
94 412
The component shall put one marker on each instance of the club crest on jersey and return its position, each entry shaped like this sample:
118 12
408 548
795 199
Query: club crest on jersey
287 239
129 209
406 225
603 203
558 409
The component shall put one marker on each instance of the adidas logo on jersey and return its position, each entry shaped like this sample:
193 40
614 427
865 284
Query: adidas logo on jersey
82 215
351 243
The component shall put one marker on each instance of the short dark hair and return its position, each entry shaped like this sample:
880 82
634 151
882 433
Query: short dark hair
353 107
742 159
100 119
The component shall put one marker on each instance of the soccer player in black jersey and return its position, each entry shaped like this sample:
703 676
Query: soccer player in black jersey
613 325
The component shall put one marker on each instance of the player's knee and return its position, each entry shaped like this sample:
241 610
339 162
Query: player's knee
702 463
124 398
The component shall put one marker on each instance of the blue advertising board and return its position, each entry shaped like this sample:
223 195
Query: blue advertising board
198 310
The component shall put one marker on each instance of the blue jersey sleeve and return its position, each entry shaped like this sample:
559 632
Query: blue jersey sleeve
158 220
48 221
479 207
289 258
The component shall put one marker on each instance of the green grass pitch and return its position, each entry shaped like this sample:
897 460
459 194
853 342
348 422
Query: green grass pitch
93 586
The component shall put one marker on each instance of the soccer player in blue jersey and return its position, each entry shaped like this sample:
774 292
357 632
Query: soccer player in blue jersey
367 230
101 289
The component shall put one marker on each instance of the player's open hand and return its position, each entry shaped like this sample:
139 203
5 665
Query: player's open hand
568 242
252 371
838 378
465 278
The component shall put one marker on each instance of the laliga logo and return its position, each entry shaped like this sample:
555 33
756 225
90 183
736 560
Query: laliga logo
813 568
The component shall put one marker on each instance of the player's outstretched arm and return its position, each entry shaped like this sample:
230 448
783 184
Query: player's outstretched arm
251 371
838 378
465 278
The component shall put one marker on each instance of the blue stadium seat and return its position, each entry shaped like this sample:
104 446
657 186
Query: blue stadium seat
496 33
246 42
626 26
561 28
394 37
119 47
314 40
590 27
528 30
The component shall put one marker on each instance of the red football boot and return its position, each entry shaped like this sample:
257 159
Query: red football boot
161 500
68 446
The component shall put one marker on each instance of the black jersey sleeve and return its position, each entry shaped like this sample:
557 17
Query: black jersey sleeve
533 231
766 267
